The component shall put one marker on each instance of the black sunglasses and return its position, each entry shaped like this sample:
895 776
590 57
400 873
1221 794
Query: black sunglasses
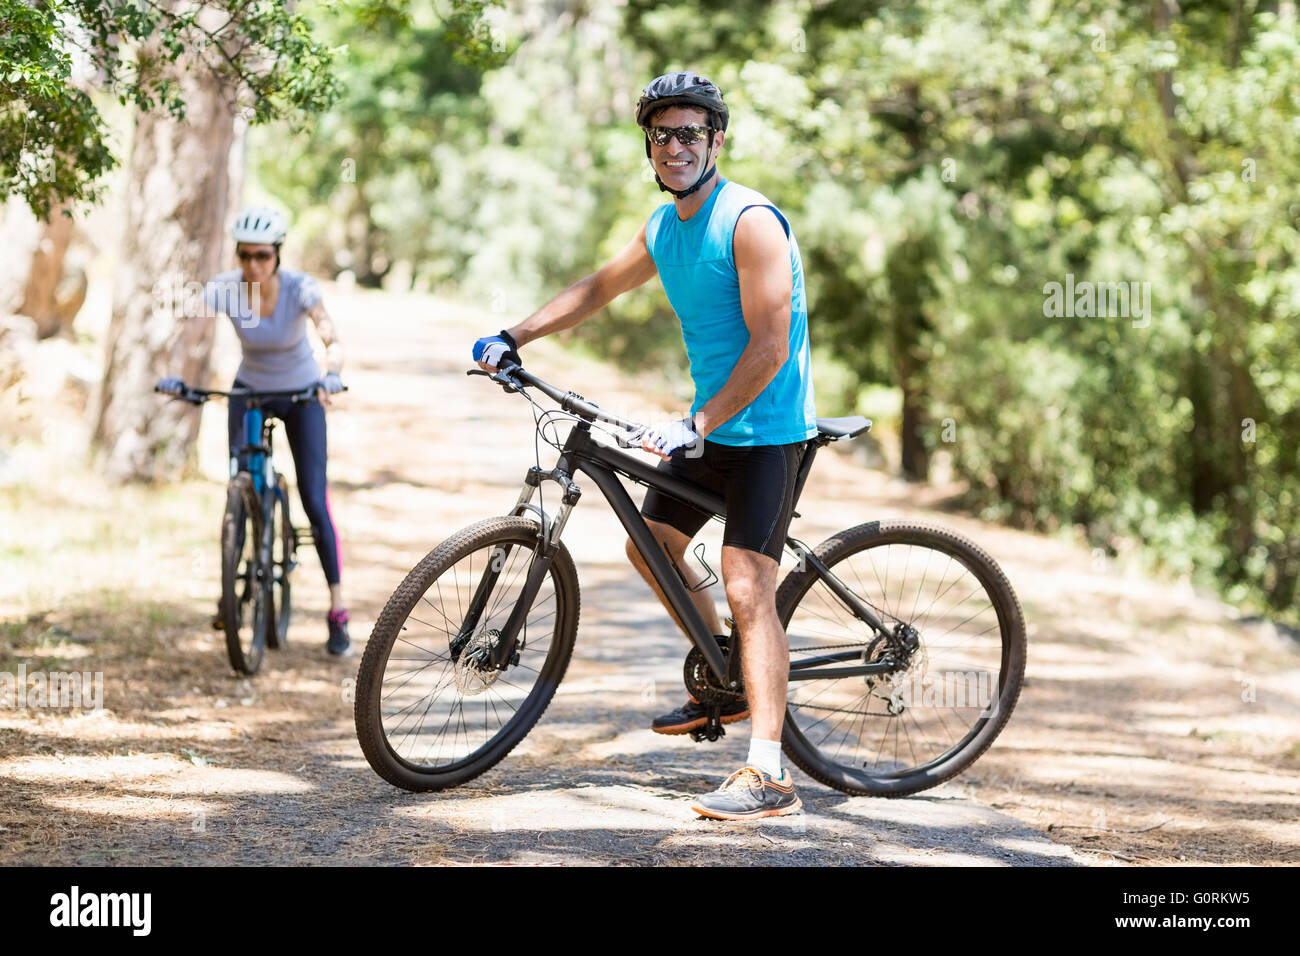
686 135
243 255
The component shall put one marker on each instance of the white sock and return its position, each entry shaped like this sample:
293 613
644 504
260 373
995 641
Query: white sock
765 755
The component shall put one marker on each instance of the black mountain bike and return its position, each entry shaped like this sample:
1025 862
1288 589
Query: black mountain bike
259 544
907 643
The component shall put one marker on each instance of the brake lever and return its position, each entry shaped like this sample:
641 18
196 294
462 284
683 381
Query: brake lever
308 395
189 396
510 385
630 439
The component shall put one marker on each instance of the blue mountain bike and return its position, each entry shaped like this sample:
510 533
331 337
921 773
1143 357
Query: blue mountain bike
259 544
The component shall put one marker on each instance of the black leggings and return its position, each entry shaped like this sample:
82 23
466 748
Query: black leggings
304 425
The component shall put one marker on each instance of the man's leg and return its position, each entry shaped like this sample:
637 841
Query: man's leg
675 543
760 501
750 581
691 715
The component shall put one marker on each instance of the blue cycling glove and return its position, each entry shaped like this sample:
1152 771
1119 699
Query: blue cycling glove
332 383
494 349
170 386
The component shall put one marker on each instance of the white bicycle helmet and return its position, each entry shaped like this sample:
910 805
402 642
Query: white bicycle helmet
260 224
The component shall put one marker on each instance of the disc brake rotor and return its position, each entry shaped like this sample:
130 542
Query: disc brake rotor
473 673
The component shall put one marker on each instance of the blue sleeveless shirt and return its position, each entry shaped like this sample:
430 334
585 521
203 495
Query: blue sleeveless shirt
697 266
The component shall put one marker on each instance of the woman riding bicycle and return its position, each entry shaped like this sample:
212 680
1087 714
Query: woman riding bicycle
268 307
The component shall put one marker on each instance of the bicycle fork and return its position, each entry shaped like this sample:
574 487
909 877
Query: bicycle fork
504 651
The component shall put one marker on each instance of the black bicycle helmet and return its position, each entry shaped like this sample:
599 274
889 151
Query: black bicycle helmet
684 88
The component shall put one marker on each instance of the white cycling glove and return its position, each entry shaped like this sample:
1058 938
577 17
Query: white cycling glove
669 437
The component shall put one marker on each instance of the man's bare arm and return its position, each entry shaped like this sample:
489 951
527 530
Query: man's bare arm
762 254
627 270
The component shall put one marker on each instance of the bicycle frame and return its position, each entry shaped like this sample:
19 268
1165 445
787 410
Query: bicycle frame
261 466
582 454
257 446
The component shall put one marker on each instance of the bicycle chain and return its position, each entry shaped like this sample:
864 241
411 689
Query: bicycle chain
831 647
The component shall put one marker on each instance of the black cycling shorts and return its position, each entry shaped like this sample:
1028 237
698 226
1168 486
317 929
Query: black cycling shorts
755 481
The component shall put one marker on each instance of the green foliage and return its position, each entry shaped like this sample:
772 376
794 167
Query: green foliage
52 140
941 162
470 34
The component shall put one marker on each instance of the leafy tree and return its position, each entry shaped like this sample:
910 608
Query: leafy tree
53 142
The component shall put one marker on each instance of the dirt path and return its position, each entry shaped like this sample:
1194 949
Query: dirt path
1152 729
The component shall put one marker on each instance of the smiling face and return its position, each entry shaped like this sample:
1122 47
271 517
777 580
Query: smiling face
677 165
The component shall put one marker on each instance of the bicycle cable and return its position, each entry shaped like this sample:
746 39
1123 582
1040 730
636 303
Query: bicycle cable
542 417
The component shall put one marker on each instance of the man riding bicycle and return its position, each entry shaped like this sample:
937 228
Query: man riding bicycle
731 268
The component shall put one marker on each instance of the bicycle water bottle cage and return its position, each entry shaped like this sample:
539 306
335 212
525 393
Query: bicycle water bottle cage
710 578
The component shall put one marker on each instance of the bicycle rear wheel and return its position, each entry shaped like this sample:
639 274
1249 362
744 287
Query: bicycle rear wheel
428 716
244 597
895 734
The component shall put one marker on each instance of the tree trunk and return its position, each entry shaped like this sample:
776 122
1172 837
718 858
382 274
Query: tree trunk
178 199
22 235
914 455
47 299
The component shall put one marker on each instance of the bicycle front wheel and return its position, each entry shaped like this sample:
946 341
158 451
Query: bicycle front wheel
244 598
284 545
428 714
898 733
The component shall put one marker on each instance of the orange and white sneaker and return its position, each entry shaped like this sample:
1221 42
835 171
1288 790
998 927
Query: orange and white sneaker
748 794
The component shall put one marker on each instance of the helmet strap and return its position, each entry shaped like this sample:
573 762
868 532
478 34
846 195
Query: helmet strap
704 176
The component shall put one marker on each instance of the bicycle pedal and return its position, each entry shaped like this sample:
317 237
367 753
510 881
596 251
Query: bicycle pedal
708 733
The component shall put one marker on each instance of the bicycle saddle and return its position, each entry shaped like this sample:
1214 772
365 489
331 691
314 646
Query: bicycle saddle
847 427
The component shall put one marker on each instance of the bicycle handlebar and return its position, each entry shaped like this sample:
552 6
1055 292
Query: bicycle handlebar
197 396
512 377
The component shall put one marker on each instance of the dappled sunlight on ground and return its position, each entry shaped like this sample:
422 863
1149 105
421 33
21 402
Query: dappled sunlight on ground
1153 727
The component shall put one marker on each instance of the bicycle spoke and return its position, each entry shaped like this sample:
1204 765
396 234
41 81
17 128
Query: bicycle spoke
893 725
428 713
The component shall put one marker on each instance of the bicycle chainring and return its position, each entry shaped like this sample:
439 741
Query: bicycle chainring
702 685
